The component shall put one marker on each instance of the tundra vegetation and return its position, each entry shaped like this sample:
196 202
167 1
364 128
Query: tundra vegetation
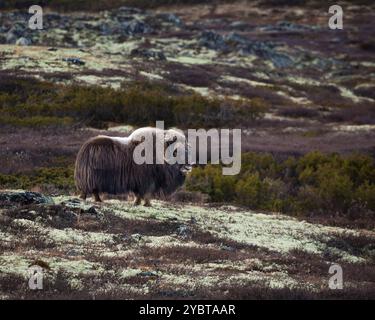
302 95
339 188
87 5
173 251
138 104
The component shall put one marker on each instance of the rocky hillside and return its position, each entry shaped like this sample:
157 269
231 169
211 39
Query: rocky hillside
316 85
116 250
231 49
277 72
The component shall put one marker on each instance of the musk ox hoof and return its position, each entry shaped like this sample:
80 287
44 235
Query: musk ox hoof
97 197
83 196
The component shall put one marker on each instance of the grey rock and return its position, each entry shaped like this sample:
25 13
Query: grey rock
14 33
3 39
118 238
24 198
72 203
212 40
135 26
64 219
105 29
236 39
170 18
23 41
91 210
183 231
286 26
136 237
73 253
227 248
239 25
52 16
147 274
11 38
148 54
234 42
76 61
281 60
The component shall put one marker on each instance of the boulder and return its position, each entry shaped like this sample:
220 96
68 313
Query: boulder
23 42
286 26
14 33
183 231
76 61
10 198
170 18
212 40
148 54
234 42
135 26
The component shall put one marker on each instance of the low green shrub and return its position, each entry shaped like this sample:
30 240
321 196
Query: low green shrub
315 183
36 121
31 103
61 178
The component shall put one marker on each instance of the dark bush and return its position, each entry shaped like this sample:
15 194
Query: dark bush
31 103
60 178
313 184
359 114
298 112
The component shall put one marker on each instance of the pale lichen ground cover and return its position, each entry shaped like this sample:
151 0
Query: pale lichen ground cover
247 250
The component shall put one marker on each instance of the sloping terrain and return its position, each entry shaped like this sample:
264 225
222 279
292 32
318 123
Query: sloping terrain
317 86
317 83
231 47
116 250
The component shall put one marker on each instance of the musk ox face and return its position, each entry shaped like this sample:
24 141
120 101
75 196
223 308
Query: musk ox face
175 149
107 164
178 150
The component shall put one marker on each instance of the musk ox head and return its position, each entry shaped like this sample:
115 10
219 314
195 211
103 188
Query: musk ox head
167 146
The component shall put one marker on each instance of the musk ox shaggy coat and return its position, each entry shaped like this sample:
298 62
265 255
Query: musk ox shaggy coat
105 164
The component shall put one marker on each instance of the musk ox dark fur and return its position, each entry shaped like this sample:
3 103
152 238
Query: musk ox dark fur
106 165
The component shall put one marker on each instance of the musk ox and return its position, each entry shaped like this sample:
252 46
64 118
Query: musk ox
106 165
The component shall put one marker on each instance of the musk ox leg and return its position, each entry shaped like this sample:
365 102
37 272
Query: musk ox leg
96 196
137 201
83 196
147 201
